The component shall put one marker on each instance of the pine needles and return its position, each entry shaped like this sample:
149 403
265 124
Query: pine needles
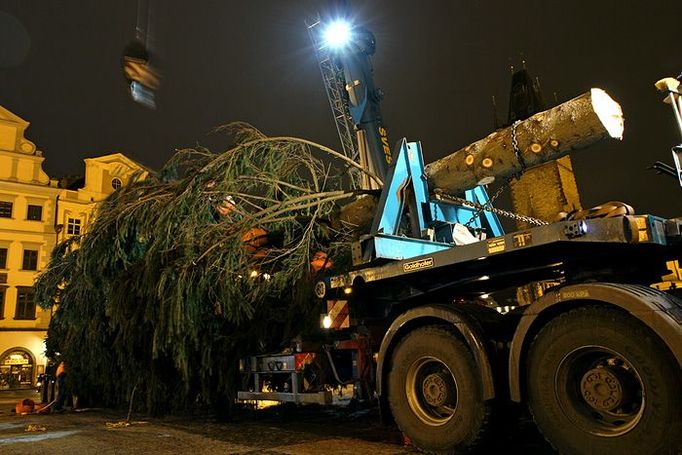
184 272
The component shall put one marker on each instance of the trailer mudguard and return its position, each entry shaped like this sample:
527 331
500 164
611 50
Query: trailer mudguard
420 316
661 312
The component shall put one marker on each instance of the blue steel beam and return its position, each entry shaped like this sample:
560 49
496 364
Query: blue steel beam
406 185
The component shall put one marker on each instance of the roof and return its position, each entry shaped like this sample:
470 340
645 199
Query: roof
10 116
118 157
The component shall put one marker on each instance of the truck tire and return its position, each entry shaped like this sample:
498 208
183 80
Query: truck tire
435 393
599 381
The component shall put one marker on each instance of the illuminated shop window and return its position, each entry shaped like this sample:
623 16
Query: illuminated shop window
16 370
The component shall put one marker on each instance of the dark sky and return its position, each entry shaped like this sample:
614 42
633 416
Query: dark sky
439 63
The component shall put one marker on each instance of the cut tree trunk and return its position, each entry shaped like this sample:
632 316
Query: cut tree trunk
544 137
357 215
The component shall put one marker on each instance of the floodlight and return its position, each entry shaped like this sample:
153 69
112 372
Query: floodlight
338 34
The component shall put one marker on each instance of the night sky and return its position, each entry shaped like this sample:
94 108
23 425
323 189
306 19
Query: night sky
439 63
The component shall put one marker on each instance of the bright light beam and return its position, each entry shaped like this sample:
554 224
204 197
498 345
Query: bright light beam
338 34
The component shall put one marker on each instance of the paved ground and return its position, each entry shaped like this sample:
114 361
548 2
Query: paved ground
274 431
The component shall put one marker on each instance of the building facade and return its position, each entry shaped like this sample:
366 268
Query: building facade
36 213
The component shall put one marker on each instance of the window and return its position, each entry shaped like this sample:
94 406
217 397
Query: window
26 305
30 260
5 209
116 183
3 258
3 293
16 370
73 226
34 213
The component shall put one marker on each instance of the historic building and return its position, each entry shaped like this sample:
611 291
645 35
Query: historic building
77 199
36 212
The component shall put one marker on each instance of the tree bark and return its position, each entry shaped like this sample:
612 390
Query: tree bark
357 215
544 137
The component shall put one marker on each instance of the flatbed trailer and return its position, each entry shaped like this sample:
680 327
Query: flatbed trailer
568 248
421 329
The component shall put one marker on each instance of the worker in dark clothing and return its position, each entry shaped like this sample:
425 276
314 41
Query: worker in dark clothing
61 388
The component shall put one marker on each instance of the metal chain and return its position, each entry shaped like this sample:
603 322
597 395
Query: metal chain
482 207
487 208
488 205
515 146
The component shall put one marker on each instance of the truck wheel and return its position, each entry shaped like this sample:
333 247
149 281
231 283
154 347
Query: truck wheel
435 393
599 381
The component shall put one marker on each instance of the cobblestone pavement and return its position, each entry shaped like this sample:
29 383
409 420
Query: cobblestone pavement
274 431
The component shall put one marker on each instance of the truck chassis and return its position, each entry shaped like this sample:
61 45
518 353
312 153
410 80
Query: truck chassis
425 338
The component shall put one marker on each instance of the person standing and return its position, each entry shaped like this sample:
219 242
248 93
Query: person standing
61 387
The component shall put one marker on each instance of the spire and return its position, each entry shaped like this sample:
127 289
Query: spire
525 97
